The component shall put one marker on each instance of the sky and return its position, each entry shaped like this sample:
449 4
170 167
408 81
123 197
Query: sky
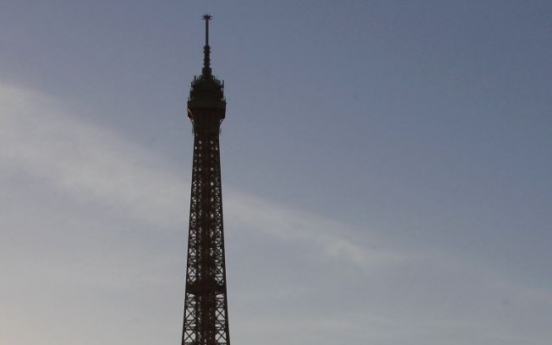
386 170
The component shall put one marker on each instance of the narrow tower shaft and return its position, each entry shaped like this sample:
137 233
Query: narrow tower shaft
205 306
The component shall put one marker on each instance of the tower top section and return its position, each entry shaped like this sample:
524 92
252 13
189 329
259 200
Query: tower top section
207 92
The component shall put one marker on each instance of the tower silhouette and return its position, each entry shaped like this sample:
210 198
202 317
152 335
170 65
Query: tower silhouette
205 306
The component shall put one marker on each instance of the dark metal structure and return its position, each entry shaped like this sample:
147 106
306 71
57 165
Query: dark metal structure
205 307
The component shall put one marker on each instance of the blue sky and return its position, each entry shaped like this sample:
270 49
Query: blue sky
386 170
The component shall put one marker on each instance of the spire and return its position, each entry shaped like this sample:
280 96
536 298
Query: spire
206 72
207 91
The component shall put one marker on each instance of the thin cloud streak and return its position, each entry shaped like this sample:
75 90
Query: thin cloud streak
89 162
97 165
335 240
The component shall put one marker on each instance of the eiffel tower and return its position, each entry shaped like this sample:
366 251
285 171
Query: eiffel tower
205 306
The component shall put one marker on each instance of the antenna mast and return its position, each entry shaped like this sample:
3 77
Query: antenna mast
207 49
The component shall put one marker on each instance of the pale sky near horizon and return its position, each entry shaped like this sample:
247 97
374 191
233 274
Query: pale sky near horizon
386 170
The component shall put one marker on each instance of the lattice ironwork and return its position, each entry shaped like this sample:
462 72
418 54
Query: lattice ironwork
205 305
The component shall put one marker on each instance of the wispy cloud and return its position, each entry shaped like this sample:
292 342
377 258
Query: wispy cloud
334 239
63 253
89 162
95 164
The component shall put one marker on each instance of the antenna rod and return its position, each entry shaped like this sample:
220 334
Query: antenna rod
207 48
207 18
